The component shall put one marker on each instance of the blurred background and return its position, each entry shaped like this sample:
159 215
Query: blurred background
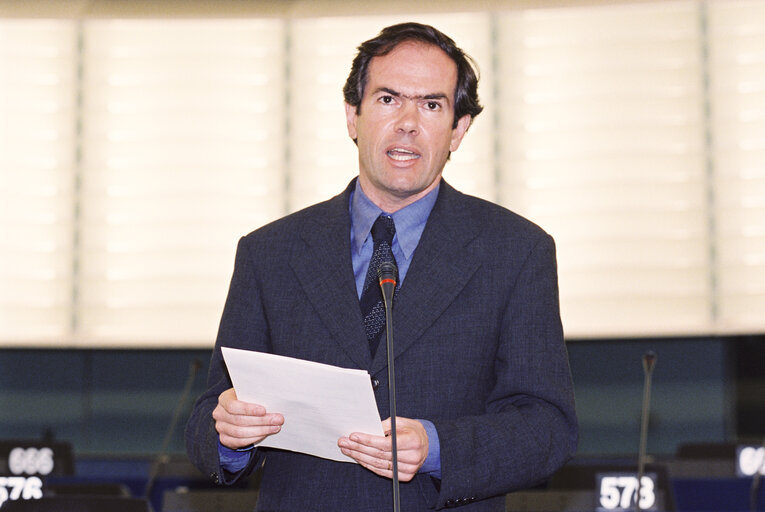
139 140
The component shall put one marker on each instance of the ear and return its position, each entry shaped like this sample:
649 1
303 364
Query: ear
350 118
457 133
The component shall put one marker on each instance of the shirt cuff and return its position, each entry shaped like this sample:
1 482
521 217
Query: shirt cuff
234 461
432 464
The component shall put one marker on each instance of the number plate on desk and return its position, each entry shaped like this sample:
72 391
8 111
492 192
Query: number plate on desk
30 458
616 492
24 464
750 460
20 488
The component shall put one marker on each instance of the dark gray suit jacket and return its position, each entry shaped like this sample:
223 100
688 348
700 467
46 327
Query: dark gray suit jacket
478 343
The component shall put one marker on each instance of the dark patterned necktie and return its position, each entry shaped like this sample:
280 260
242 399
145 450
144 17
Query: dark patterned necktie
372 306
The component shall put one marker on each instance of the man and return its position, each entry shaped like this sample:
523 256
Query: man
484 394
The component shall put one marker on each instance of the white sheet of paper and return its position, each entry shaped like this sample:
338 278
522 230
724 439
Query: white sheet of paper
320 403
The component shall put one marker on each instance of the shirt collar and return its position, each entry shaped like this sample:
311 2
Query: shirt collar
410 220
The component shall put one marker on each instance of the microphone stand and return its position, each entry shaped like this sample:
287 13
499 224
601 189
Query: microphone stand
161 459
649 360
388 275
754 490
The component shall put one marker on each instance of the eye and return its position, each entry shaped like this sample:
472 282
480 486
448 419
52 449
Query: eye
386 100
433 105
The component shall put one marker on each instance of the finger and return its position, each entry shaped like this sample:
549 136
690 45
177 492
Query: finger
376 464
383 467
382 443
243 408
235 436
221 416
245 420
229 401
379 461
356 444
247 429
236 443
242 430
409 446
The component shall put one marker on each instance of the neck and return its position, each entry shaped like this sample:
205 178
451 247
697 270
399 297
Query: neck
390 202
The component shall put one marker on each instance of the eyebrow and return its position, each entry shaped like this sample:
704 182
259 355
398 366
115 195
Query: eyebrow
432 96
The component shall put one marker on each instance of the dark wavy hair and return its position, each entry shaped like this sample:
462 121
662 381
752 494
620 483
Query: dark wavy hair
466 92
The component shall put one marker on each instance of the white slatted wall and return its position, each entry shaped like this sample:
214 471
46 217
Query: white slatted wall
130 165
602 143
38 141
182 153
737 72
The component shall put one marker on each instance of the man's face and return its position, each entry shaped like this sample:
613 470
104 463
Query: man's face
404 131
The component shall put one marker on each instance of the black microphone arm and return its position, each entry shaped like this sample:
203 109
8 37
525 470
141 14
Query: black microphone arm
387 272
754 490
649 361
161 459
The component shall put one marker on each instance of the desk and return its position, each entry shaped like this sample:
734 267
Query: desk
698 487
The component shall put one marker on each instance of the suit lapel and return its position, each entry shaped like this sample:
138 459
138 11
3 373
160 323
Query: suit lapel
435 277
325 271
443 263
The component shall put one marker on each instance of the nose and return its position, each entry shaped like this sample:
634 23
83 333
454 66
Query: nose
408 119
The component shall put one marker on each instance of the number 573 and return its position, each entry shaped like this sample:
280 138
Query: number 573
618 492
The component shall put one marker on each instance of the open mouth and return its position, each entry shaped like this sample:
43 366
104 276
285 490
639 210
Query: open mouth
402 155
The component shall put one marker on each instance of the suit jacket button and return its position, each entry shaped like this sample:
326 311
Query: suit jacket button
215 478
375 383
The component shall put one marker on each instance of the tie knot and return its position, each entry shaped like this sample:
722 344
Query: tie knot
383 230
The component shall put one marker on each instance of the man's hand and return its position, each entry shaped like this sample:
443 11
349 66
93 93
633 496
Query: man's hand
375 452
241 424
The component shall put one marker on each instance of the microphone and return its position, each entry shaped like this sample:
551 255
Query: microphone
649 361
387 273
162 458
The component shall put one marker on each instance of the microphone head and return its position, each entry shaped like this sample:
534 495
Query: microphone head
387 272
649 360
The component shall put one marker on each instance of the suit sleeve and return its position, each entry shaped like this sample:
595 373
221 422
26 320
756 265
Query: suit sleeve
529 428
243 325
